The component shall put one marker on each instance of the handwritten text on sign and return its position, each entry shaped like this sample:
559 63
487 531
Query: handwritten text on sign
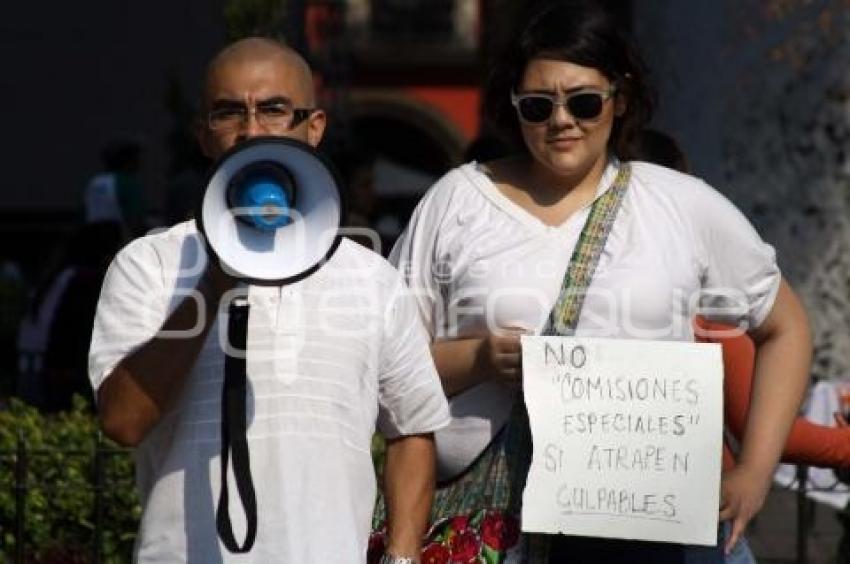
627 438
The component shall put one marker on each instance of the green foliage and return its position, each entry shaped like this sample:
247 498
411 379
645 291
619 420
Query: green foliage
59 525
59 522
254 17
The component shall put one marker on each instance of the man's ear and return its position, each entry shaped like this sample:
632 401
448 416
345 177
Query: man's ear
316 124
201 133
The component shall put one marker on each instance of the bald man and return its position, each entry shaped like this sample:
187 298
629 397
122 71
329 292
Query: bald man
328 358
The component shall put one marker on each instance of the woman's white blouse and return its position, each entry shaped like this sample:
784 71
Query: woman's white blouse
480 263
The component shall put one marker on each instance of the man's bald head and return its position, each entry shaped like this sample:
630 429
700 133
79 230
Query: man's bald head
257 51
261 82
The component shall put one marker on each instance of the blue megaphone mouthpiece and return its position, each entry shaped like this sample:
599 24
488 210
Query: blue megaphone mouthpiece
263 198
267 203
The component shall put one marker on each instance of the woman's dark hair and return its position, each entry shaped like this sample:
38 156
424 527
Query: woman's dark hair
654 146
585 33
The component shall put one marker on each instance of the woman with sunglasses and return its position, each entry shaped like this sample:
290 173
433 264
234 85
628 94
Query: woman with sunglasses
488 248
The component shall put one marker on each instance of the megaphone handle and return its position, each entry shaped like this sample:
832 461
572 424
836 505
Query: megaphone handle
233 434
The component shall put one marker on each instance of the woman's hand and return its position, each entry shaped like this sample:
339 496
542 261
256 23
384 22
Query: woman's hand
499 357
742 493
464 363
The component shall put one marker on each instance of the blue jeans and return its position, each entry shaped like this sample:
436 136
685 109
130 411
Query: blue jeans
741 553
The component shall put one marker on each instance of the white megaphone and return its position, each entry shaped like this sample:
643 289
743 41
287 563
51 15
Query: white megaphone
271 211
271 214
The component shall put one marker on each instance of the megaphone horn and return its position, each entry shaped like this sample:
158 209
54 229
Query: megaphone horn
271 210
266 191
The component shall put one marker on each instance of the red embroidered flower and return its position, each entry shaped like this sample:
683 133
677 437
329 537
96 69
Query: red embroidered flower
464 547
435 553
460 523
376 548
499 531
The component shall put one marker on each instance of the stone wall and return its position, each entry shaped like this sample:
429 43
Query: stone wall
758 92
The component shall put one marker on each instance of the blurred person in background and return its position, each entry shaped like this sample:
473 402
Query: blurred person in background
12 305
116 194
55 332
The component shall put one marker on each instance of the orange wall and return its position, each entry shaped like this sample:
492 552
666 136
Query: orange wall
460 104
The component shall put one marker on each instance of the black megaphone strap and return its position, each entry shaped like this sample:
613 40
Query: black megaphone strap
233 433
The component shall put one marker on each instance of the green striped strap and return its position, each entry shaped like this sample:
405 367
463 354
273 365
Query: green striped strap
563 318
565 313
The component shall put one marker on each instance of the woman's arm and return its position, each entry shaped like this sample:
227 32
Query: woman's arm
783 357
464 363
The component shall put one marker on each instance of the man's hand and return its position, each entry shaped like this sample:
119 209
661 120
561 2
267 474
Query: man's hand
742 493
215 283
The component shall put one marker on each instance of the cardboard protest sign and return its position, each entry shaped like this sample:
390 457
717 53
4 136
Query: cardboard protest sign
627 438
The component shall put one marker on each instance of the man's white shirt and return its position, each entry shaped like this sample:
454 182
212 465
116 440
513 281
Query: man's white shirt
329 356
